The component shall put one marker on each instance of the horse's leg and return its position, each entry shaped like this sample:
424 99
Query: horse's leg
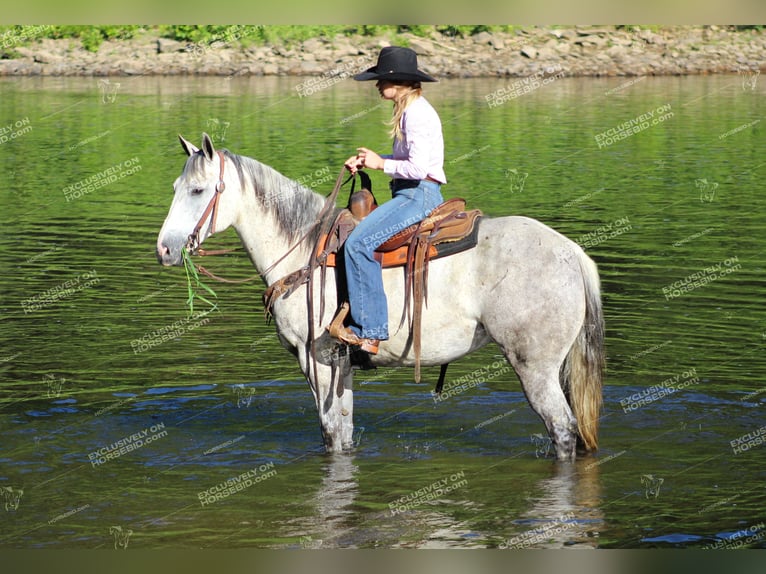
543 390
336 414
537 356
537 360
537 350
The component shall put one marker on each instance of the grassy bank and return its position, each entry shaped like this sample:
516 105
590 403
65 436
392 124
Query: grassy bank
91 37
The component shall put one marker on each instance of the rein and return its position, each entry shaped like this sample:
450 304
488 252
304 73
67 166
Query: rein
329 203
192 243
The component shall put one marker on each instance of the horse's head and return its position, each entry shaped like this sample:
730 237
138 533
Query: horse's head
200 207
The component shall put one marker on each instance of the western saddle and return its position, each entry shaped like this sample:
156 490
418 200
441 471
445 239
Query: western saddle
448 229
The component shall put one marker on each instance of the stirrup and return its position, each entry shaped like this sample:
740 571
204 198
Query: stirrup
344 334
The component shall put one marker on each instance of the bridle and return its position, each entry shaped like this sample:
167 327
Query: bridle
192 242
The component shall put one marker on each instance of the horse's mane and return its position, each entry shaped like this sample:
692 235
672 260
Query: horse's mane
295 207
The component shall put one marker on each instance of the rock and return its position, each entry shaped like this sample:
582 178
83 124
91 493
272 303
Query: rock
497 43
129 69
565 34
259 53
616 52
591 41
309 67
621 40
312 45
591 31
529 52
344 48
47 58
286 53
648 36
422 47
517 68
482 38
166 46
546 53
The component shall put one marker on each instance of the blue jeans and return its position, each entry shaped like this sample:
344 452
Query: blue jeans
369 307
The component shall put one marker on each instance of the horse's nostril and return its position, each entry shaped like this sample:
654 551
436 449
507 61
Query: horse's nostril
163 251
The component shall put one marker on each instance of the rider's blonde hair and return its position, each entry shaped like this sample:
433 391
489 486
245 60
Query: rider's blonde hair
409 92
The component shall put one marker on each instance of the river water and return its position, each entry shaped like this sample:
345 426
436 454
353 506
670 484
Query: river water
660 179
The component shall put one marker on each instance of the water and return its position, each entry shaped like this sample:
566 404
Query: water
219 399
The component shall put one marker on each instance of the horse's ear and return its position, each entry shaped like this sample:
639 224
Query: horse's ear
207 147
189 147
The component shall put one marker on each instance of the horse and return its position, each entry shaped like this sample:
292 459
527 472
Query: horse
524 286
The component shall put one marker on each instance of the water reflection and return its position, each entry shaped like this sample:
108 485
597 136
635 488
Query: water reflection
564 512
336 496
328 526
567 511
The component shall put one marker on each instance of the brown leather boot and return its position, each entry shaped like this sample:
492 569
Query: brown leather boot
344 334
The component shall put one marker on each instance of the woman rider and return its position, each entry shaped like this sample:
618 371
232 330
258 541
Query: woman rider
417 172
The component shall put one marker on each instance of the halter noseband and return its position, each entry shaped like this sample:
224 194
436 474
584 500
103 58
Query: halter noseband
212 207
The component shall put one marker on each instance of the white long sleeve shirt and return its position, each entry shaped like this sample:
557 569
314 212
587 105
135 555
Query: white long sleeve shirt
420 152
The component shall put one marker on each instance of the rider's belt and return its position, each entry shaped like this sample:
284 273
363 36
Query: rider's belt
397 184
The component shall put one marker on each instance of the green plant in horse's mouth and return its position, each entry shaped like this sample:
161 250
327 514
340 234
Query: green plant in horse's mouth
194 285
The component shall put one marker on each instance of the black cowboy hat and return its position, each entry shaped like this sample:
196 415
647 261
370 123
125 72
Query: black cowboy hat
396 64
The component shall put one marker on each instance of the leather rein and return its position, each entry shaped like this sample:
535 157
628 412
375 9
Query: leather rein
192 242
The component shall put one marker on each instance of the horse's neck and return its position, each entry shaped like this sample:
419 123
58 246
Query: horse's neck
269 248
273 218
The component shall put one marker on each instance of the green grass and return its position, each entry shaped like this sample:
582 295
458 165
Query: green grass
195 285
91 37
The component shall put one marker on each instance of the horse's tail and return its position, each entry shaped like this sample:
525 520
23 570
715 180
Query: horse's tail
583 368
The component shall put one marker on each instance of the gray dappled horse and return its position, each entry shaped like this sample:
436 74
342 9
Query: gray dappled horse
524 286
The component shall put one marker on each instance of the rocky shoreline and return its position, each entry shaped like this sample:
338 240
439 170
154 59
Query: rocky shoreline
570 51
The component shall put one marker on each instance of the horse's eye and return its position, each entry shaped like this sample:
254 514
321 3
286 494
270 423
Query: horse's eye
197 191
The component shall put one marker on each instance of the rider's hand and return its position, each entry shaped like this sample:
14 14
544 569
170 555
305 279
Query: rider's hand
364 158
353 164
369 158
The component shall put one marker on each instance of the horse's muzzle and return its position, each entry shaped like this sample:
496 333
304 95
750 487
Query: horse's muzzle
169 255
